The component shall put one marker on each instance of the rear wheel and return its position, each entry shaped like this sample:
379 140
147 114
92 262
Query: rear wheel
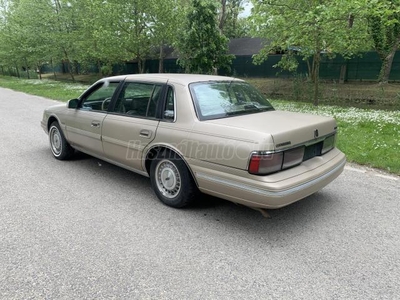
171 180
58 144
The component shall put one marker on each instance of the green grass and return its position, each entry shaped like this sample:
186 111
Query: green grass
373 144
355 94
56 90
367 136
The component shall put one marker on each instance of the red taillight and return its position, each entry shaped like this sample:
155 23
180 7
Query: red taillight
261 164
254 164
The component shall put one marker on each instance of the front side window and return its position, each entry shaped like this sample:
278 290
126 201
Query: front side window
221 99
138 99
100 98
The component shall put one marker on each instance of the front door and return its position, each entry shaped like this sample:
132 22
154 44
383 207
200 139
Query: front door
84 124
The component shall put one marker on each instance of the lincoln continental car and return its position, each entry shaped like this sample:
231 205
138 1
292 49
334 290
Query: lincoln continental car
194 134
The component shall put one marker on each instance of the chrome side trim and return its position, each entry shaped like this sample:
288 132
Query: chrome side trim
306 143
262 192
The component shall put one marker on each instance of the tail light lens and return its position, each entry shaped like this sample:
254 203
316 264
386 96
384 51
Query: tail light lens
262 164
271 162
293 157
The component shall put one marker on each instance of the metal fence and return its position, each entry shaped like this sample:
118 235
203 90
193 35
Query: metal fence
364 67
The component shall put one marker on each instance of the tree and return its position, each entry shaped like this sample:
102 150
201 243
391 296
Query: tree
202 48
230 23
309 28
27 35
166 17
99 35
384 25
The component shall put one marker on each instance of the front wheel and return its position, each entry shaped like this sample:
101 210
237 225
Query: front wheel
172 181
59 146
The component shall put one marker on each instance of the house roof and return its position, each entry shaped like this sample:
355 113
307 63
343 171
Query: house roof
245 46
239 47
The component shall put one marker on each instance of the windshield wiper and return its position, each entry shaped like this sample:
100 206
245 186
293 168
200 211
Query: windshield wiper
256 107
248 108
251 107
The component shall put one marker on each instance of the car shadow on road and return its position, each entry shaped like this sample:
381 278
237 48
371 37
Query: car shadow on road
80 156
303 213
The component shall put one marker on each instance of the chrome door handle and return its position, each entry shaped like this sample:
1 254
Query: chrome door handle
145 133
95 124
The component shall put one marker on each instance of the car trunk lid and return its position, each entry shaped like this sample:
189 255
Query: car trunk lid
287 129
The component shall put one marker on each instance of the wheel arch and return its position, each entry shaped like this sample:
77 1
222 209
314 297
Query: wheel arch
51 119
155 149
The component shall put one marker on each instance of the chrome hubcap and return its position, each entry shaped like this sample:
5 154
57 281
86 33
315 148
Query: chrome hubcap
55 140
168 179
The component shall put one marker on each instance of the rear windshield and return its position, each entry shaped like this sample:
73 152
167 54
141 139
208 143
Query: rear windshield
222 99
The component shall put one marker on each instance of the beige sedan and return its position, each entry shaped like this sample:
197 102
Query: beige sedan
199 133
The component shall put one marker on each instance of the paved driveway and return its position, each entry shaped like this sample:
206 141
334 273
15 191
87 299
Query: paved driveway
85 229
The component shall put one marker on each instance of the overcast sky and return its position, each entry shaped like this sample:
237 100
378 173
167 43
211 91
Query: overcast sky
247 9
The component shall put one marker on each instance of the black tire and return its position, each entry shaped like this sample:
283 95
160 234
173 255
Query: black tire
59 146
171 180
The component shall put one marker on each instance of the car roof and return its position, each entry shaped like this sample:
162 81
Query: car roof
184 79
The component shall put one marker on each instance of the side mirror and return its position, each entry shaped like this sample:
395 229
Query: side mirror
73 103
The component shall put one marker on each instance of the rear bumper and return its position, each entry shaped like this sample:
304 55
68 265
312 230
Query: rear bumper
276 190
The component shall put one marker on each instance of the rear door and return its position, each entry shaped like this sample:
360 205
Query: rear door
132 123
84 124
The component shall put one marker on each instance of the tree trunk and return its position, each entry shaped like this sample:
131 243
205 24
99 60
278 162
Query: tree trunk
386 67
309 68
71 73
313 69
69 65
343 73
141 65
2 70
316 63
16 68
222 17
27 69
52 67
387 61
343 68
39 71
161 60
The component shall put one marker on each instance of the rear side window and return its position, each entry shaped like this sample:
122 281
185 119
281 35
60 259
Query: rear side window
169 109
138 99
221 99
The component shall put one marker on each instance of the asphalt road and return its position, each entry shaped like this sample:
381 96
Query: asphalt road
85 229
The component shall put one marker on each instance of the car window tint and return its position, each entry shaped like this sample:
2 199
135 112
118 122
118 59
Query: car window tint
138 99
169 109
100 98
